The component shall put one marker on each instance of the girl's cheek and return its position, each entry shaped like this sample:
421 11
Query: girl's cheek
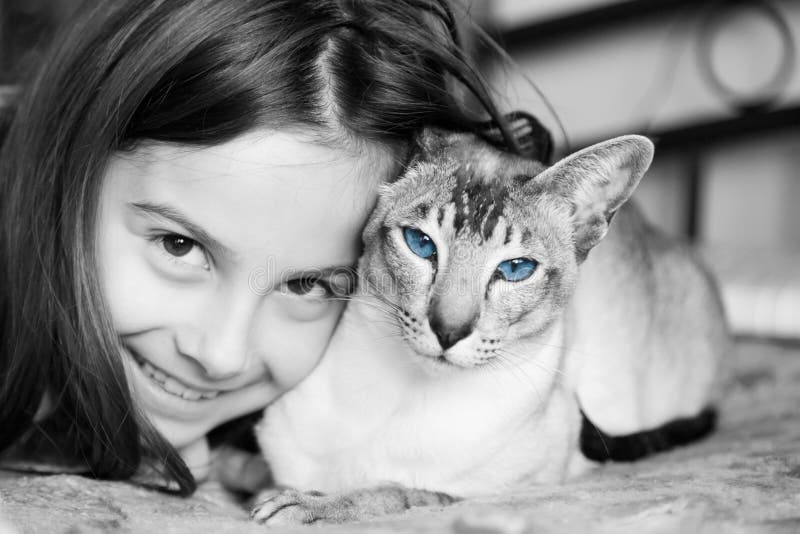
139 297
309 311
296 346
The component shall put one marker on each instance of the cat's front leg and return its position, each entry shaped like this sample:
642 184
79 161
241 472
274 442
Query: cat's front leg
292 507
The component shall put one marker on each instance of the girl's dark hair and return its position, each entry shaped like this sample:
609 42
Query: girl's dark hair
197 72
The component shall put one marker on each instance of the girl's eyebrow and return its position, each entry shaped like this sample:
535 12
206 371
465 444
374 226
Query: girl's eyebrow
173 214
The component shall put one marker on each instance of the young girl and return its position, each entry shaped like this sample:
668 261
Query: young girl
181 183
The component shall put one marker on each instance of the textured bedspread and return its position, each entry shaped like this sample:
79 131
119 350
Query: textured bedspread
745 478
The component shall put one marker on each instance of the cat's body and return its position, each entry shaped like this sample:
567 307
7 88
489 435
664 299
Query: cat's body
647 332
368 418
447 374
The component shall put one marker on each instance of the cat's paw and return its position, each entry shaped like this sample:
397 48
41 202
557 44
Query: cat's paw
292 507
288 507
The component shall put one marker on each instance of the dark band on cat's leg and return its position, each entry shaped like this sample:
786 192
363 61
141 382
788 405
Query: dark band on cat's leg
598 446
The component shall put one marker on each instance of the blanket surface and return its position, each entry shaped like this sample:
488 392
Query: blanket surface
744 478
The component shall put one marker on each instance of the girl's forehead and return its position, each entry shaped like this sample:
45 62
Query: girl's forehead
264 151
265 193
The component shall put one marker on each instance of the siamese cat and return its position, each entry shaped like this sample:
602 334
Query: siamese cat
503 333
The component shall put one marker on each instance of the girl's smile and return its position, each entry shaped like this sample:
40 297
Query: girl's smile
168 395
172 384
181 234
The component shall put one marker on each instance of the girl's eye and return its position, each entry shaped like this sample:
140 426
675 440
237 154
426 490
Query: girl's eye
177 245
184 249
419 242
310 287
339 284
517 269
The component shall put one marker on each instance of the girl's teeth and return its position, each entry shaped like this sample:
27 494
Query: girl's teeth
157 374
170 385
191 395
173 386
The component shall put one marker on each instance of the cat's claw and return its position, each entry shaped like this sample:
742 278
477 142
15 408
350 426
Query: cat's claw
289 507
292 507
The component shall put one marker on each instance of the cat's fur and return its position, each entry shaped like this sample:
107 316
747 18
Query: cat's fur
631 334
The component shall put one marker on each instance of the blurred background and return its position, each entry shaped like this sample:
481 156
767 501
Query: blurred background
715 83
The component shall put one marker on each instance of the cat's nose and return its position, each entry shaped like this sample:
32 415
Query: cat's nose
449 335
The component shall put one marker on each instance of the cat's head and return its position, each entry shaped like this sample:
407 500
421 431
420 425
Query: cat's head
472 248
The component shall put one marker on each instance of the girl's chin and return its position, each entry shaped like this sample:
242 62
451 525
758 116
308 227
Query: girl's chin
197 457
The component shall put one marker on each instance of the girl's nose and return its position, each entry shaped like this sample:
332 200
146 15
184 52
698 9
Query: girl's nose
222 340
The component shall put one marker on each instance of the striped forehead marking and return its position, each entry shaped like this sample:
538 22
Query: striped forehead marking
478 205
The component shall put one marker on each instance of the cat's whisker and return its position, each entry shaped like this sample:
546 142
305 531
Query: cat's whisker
495 369
505 368
379 305
562 347
377 294
515 370
512 367
532 359
389 336
511 359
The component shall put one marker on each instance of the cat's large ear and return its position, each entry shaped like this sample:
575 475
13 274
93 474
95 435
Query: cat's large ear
428 143
597 181
431 141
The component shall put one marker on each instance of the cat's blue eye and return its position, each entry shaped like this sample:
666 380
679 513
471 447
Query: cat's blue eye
517 269
419 242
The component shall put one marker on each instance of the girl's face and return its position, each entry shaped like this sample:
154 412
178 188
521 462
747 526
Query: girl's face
218 265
